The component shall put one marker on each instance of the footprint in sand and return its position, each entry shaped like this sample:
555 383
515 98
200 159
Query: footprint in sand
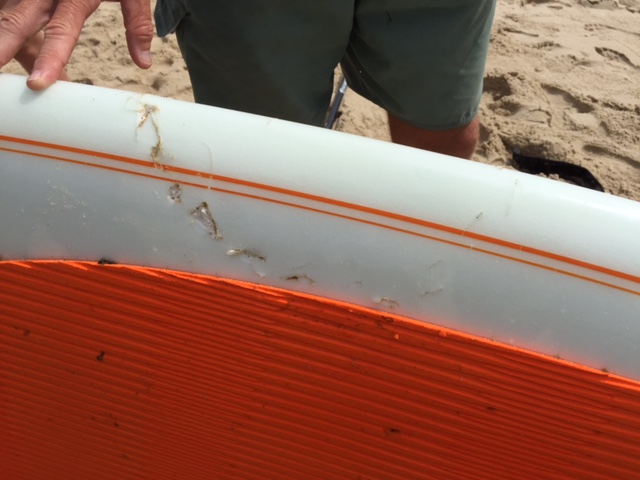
518 31
615 56
548 3
566 100
497 86
506 104
619 157
621 171
575 110
547 45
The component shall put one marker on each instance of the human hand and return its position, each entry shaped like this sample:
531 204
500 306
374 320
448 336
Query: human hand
27 55
61 22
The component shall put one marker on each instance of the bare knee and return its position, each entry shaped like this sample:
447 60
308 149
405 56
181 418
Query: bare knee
458 142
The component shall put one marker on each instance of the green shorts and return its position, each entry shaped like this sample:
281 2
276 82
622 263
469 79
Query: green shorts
421 60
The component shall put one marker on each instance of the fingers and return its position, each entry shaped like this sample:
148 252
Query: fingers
62 21
60 37
27 55
19 21
139 27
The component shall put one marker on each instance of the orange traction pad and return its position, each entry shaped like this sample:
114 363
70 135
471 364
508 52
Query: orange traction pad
120 372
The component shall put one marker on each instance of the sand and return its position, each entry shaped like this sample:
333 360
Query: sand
562 83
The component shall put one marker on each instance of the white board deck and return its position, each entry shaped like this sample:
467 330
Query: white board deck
88 173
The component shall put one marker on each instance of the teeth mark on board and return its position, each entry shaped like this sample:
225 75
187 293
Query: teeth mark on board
175 193
246 253
386 301
202 215
304 279
252 257
147 112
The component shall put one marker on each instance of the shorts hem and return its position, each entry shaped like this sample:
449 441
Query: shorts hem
437 127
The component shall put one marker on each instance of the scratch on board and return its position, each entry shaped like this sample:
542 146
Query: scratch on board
471 223
512 199
210 175
435 279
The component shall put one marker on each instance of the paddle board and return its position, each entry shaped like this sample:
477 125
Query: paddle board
116 207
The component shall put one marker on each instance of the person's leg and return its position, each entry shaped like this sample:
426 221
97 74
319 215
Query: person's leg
458 142
423 61
270 57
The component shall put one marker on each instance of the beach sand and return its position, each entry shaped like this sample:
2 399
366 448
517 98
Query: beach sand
562 83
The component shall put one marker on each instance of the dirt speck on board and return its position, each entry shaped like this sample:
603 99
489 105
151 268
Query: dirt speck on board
106 261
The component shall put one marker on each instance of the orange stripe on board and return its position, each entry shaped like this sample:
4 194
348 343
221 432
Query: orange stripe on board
320 199
118 372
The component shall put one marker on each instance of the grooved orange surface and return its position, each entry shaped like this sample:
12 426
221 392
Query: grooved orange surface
116 372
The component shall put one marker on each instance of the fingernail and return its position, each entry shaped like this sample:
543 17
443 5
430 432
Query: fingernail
36 80
145 56
35 75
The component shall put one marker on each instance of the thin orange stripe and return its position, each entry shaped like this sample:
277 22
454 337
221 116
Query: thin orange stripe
329 201
333 214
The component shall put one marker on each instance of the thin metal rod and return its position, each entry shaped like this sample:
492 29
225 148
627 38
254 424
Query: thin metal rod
337 101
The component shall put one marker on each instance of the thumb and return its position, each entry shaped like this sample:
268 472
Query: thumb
139 27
